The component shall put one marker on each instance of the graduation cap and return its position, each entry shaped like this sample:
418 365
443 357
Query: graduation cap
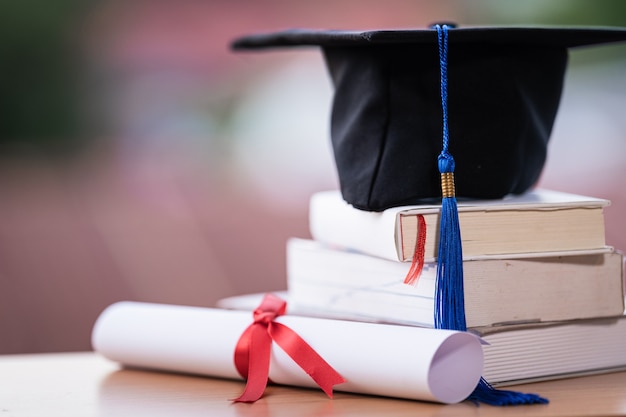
505 85
401 95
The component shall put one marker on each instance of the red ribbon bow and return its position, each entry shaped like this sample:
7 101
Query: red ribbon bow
252 353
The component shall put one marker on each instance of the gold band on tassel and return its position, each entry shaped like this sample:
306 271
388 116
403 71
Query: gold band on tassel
447 184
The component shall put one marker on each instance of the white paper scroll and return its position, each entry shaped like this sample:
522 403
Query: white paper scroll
396 361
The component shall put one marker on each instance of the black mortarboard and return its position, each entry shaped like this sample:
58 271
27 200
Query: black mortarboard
505 86
399 97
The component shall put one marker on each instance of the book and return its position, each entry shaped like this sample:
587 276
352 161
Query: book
538 221
333 282
520 354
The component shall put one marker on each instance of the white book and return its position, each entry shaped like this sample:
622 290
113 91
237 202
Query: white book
522 354
535 222
330 282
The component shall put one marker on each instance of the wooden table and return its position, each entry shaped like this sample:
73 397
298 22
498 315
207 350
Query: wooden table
85 384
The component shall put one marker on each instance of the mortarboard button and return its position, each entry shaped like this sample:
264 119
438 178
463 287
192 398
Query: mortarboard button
504 88
450 25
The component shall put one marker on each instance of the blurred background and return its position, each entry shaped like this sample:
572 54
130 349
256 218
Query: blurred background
141 159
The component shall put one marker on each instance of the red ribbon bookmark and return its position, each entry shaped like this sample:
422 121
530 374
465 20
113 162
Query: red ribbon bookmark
418 257
252 352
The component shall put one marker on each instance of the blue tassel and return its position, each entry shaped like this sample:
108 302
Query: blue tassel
449 292
485 393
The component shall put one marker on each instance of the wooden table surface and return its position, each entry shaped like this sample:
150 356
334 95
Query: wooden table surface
85 384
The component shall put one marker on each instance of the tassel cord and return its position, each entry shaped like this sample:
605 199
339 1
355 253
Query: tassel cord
442 37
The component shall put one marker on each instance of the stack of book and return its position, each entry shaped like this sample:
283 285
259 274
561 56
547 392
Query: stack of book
542 288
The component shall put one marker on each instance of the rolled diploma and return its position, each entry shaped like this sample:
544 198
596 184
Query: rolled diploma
388 360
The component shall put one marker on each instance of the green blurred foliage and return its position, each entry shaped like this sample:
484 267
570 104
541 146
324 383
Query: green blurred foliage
555 13
40 75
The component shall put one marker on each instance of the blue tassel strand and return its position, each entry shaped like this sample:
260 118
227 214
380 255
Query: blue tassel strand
449 292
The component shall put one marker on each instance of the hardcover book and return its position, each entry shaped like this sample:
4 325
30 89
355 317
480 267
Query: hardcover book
331 282
535 222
